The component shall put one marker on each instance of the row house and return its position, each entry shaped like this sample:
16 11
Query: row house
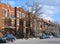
20 22
7 17
13 20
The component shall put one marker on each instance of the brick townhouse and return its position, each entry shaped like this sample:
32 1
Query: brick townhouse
7 19
14 20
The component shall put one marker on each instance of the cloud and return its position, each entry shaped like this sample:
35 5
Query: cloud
12 3
49 12
49 9
44 16
49 2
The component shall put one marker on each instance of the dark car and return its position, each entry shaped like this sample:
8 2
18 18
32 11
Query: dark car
3 40
44 36
7 37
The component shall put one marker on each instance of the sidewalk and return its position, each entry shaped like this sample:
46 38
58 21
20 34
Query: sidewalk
27 39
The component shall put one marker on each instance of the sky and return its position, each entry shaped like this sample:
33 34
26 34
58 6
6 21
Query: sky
51 8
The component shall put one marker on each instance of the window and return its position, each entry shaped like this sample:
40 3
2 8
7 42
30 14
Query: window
12 15
6 14
46 23
24 23
18 14
27 24
21 22
3 12
34 20
12 23
3 21
23 15
7 22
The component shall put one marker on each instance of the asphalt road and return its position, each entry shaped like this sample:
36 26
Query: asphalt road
36 41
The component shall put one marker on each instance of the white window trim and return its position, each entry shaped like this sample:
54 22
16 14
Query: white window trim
3 21
6 11
10 13
23 15
17 21
24 23
19 13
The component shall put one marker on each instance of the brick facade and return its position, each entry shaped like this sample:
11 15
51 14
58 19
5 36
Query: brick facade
16 19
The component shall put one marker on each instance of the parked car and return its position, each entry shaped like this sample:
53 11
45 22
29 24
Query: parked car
7 37
3 40
57 35
49 36
44 36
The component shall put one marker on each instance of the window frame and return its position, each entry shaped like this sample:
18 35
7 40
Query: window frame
5 10
23 15
12 15
18 14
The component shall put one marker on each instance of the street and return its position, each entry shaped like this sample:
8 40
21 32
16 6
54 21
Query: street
36 41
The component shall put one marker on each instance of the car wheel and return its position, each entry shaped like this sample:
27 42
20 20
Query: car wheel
6 41
13 40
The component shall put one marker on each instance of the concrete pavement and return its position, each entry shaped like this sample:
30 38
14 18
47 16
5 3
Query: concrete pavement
37 41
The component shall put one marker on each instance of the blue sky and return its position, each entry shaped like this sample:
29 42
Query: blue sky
51 8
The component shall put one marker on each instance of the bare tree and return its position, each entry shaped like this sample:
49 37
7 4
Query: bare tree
57 24
35 8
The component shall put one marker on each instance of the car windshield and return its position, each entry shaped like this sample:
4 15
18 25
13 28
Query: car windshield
8 35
